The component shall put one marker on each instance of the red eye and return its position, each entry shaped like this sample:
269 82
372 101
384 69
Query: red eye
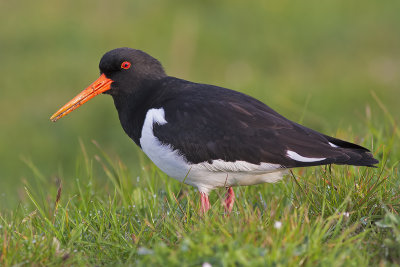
126 65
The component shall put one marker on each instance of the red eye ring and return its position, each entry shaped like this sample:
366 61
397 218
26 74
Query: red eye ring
125 65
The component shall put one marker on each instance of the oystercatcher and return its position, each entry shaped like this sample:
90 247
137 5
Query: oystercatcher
208 136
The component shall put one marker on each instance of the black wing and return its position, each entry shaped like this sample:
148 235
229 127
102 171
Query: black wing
208 122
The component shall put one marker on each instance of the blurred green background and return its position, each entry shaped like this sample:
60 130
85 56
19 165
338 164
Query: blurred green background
315 62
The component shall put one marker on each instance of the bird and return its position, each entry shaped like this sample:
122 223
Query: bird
208 136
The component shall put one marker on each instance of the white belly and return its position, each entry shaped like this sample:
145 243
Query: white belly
205 176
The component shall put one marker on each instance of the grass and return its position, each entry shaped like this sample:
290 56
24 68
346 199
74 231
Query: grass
324 216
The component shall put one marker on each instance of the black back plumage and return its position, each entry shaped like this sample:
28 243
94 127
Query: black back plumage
207 123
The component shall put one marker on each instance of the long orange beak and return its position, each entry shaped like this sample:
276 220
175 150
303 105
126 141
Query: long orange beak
99 86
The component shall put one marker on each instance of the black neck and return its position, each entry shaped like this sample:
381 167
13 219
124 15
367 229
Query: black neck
132 108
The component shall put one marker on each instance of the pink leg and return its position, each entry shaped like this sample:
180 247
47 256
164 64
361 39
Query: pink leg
205 204
229 200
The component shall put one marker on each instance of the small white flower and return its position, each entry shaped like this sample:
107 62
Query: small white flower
145 251
278 225
206 264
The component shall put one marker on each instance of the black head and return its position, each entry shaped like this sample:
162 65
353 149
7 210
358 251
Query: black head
123 73
129 69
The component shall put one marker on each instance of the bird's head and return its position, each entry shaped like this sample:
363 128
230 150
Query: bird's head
122 71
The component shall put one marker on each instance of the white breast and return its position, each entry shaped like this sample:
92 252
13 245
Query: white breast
167 159
205 176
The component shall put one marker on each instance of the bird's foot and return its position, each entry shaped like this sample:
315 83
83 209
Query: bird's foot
229 200
205 203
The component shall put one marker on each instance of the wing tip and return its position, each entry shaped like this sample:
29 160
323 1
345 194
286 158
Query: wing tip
362 158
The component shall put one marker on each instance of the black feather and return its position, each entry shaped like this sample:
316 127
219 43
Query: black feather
207 122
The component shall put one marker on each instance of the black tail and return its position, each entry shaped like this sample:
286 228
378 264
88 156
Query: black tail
356 155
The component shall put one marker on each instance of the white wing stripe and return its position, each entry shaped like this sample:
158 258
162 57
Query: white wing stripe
297 157
332 145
